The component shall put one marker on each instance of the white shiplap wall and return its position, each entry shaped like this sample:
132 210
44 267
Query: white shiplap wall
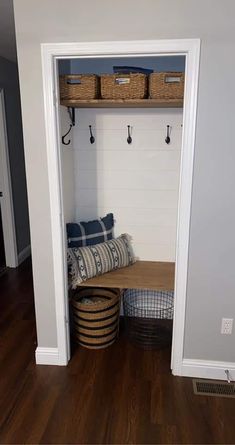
137 182
67 163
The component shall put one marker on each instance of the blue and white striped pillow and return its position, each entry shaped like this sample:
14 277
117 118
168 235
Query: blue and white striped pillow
91 261
91 232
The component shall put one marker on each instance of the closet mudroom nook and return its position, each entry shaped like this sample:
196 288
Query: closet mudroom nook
121 135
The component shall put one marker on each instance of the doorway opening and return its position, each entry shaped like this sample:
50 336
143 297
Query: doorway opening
8 248
2 248
189 50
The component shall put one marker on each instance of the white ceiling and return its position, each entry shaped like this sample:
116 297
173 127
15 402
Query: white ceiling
7 30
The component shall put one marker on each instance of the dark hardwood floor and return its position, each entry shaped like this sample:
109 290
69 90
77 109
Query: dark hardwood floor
115 396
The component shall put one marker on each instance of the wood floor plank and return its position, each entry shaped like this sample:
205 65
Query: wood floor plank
119 395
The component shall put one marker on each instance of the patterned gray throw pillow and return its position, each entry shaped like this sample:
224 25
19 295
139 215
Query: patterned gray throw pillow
91 261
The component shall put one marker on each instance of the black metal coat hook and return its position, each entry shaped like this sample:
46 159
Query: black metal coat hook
71 112
92 139
168 139
129 138
66 134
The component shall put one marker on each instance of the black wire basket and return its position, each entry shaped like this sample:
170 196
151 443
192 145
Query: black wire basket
148 316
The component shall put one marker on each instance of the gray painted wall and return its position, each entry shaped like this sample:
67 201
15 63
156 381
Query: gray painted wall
10 83
211 278
98 66
64 66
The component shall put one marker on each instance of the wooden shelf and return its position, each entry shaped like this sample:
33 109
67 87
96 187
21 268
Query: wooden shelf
141 275
122 103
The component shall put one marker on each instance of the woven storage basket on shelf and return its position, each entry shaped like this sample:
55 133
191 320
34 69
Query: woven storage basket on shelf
166 86
79 86
96 320
124 86
148 316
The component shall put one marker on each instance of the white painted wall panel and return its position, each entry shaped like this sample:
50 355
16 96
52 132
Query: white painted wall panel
138 182
118 118
143 217
154 251
127 199
143 139
67 158
148 233
134 180
129 160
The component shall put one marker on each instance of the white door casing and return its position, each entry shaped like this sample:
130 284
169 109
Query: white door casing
50 53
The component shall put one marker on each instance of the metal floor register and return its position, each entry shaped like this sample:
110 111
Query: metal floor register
213 388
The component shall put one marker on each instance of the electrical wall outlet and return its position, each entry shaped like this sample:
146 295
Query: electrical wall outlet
227 326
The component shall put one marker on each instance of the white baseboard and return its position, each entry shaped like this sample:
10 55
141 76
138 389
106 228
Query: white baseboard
47 356
207 369
25 253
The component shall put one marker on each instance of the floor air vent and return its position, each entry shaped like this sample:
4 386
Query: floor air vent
213 388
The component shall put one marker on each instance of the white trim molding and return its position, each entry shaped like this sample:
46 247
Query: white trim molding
25 253
6 201
184 203
207 369
47 356
50 54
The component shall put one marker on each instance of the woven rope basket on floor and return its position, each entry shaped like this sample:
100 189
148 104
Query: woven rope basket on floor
124 86
79 86
166 86
96 321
